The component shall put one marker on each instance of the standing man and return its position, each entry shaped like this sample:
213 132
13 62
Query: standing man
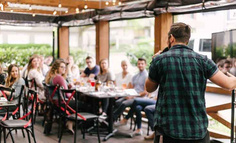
92 70
181 74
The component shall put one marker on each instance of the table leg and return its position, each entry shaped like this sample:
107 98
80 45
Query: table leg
111 132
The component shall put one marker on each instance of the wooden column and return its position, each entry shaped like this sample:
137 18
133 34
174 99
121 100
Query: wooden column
162 27
63 42
102 40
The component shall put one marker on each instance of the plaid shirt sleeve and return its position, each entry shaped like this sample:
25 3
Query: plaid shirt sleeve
210 68
155 71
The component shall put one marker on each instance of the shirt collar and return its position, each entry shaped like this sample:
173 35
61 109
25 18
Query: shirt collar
180 47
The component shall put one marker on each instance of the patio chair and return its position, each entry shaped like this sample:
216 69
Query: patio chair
21 123
79 118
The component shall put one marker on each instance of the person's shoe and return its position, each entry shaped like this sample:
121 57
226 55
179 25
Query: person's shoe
136 133
103 116
117 124
151 137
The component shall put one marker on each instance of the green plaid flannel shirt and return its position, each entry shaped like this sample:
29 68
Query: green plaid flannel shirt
180 109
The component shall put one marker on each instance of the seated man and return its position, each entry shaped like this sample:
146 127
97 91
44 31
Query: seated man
224 65
138 82
92 70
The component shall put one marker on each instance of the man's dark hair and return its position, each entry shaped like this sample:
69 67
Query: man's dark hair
180 31
142 59
89 57
221 63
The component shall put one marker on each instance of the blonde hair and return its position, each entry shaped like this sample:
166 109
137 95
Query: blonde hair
54 70
10 80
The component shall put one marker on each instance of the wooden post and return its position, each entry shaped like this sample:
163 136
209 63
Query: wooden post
102 40
63 43
162 27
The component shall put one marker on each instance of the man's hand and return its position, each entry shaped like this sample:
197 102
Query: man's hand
158 53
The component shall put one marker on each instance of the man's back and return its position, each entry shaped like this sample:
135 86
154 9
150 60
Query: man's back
180 109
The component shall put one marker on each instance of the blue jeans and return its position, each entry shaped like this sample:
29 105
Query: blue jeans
149 111
138 105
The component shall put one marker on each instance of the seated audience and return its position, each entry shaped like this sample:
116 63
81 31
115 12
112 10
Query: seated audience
224 65
233 69
124 78
72 70
14 80
138 82
34 72
44 68
2 75
149 111
57 76
105 75
92 70
48 60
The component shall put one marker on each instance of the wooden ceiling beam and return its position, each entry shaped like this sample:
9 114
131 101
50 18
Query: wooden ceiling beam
65 3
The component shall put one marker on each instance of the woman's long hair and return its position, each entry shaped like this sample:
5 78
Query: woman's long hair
10 80
54 70
100 62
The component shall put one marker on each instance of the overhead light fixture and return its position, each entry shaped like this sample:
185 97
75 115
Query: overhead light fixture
11 10
33 14
120 3
85 6
30 8
113 0
107 3
54 12
59 5
77 10
66 11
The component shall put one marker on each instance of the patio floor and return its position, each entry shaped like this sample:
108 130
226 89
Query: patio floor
121 135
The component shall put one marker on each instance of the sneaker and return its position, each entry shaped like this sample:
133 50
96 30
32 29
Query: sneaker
103 116
117 124
151 137
136 133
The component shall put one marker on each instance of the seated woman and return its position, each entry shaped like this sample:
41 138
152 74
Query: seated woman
14 80
57 76
33 72
105 75
2 75
123 80
72 70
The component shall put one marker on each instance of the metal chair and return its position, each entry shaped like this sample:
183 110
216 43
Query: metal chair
21 123
79 118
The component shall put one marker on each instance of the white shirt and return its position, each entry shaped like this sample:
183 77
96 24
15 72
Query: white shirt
120 80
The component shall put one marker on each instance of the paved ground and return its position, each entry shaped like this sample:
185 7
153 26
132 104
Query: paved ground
122 136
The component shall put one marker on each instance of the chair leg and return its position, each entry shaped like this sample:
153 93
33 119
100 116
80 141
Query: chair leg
61 133
28 135
33 135
148 130
11 137
23 133
0 135
4 135
131 123
98 131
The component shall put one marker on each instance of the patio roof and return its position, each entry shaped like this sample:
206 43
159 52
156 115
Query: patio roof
76 13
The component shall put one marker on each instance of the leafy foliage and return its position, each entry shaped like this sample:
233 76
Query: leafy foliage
144 49
19 53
